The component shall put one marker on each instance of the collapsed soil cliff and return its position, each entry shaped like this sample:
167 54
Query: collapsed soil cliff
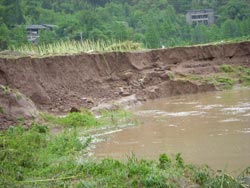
58 83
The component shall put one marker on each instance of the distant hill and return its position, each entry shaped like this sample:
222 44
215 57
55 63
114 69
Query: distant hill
154 23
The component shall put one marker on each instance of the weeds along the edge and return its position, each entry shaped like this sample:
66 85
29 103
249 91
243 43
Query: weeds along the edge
35 157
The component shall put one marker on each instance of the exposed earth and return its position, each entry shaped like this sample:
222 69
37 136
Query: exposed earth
56 84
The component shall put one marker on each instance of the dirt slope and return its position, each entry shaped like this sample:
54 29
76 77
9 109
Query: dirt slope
58 83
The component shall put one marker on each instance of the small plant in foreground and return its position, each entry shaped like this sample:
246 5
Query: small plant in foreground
165 161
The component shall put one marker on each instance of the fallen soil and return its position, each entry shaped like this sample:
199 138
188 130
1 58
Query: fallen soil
58 83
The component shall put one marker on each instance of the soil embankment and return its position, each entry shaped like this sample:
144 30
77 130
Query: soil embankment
59 83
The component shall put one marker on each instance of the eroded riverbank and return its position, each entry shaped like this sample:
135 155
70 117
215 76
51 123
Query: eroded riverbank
56 84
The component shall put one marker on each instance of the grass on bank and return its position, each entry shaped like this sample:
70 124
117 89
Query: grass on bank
76 47
228 76
88 46
86 119
36 158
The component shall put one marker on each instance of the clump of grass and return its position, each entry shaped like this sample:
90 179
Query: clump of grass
87 120
74 119
229 76
246 80
78 119
227 68
172 75
195 77
18 95
75 47
1 110
244 74
225 82
6 89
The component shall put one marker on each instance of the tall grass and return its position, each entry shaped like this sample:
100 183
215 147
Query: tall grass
75 47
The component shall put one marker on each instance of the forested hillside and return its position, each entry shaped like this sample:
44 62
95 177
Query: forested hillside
151 22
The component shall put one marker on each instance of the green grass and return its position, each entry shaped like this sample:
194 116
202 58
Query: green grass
224 82
76 47
86 119
36 158
227 68
75 119
228 76
1 109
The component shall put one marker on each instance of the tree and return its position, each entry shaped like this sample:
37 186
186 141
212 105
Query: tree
12 12
97 34
152 35
199 34
19 36
46 37
235 10
4 37
230 29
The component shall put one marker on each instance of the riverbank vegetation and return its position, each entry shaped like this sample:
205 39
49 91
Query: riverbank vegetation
152 23
76 47
226 77
35 157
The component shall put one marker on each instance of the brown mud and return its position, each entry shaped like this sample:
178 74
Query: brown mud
58 83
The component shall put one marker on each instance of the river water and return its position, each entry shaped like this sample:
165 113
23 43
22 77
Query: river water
206 128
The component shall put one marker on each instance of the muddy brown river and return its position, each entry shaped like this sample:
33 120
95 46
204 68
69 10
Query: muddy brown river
207 128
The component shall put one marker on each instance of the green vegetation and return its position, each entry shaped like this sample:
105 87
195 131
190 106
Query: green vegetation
36 158
224 82
1 109
86 119
226 79
75 119
154 23
74 47
226 68
6 89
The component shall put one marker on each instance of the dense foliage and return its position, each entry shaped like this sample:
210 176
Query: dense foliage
151 22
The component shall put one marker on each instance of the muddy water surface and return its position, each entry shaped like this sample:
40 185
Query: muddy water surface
211 128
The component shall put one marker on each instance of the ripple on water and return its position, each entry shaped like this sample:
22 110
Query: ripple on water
209 107
236 110
230 120
173 114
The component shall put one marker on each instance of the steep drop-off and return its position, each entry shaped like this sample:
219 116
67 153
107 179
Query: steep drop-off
58 83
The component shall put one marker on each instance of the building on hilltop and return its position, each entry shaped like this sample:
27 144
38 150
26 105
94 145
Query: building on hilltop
33 31
205 16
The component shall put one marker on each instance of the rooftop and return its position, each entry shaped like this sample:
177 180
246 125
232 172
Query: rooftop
41 26
200 11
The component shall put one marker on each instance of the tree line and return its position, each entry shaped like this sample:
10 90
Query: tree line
154 23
